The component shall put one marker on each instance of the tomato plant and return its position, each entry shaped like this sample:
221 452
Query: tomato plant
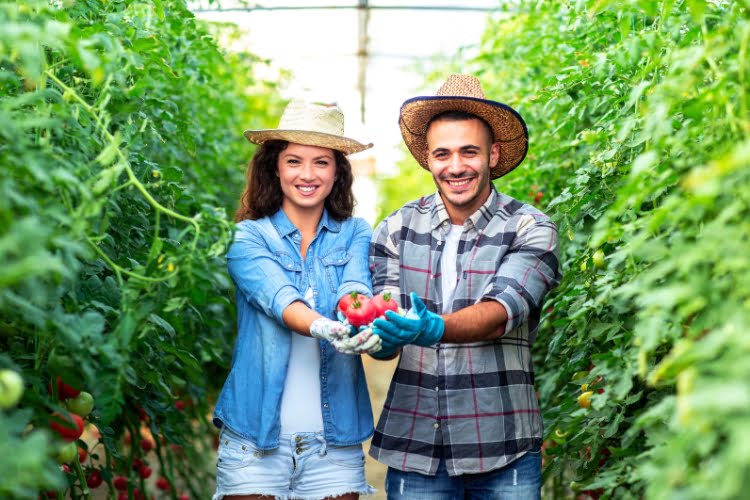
119 170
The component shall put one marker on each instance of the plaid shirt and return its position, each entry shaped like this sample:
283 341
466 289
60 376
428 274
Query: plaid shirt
473 404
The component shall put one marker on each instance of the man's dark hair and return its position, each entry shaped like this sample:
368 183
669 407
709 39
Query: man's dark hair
457 116
263 195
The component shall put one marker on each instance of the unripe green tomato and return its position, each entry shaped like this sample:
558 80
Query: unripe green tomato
584 266
11 389
81 405
67 453
598 259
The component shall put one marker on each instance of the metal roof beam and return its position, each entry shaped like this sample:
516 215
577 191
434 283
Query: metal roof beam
361 5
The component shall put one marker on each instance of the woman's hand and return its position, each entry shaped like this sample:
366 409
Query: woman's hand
337 334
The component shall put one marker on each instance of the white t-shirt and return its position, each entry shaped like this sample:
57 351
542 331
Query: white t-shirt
448 265
300 401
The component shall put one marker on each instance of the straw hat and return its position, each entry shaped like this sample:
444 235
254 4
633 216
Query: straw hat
464 93
312 124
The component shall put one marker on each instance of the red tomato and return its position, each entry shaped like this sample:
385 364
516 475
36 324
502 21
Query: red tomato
384 303
147 445
162 484
121 483
184 496
64 391
347 300
95 479
179 404
144 471
70 428
361 312
137 462
82 454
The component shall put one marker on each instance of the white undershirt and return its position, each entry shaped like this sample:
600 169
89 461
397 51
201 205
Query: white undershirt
448 265
300 401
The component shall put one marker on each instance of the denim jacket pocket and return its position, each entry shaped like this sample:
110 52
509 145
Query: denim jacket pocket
291 265
334 262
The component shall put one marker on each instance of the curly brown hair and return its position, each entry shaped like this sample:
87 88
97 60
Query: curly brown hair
263 196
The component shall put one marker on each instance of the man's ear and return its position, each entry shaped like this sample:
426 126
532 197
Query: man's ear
494 154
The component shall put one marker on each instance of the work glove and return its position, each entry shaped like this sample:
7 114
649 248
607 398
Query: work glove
419 326
337 334
386 351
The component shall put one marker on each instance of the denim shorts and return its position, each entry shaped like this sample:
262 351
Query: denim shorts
302 467
519 480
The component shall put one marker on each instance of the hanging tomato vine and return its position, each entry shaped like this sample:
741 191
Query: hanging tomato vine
121 153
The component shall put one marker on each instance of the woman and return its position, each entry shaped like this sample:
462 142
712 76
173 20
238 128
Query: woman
295 409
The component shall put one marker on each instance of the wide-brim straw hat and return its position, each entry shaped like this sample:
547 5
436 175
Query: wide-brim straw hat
464 93
312 124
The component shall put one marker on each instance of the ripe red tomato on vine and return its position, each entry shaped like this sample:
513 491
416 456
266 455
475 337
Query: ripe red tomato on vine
69 426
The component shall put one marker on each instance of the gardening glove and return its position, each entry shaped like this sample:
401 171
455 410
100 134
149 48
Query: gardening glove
363 342
419 327
329 330
337 334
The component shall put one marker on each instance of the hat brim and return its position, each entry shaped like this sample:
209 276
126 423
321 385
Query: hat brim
344 144
507 126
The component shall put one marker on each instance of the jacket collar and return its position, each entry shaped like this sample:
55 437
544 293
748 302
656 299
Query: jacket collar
285 227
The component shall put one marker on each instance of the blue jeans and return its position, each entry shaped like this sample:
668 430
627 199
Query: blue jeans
519 480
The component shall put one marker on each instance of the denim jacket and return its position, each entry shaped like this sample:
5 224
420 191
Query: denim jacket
269 273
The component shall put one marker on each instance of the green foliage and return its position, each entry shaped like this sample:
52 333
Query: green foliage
640 139
121 153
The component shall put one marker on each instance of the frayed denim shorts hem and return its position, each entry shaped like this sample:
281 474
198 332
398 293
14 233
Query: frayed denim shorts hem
303 467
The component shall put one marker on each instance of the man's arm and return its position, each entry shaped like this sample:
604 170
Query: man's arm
525 275
482 321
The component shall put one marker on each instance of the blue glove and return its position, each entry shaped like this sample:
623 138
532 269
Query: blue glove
386 350
419 327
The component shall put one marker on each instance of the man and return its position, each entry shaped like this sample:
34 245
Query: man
472 265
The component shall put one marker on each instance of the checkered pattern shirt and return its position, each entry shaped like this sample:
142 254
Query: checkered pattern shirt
473 404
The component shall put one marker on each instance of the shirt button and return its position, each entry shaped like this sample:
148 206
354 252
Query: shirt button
436 425
437 388
323 378
325 405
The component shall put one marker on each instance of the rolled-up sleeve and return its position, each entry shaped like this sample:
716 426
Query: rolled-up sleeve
528 271
356 275
258 275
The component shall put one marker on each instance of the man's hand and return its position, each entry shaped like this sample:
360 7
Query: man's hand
420 326
337 334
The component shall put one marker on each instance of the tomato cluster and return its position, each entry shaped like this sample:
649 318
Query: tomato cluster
360 310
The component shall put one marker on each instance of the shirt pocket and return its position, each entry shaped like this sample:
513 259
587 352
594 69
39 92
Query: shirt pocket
478 278
291 265
334 263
